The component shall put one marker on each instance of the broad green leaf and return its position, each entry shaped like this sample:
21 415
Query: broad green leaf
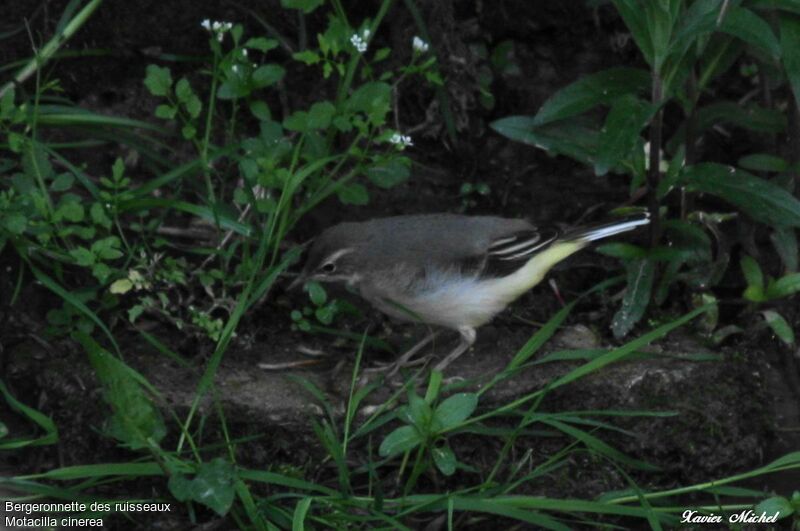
752 29
779 325
444 459
752 118
82 256
455 409
775 504
389 174
158 80
15 223
261 44
590 91
260 110
759 198
419 412
267 75
62 182
763 162
69 210
213 486
373 99
353 194
752 271
121 286
316 293
400 440
790 46
626 119
640 275
785 286
320 115
135 421
569 137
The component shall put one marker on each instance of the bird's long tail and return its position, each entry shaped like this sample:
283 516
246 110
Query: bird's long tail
605 230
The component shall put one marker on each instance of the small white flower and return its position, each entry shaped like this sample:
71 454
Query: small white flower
359 42
419 45
217 28
235 69
401 141
244 52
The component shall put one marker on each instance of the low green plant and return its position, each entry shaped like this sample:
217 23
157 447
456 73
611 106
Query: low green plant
690 47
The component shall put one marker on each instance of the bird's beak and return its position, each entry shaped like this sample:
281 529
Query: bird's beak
297 282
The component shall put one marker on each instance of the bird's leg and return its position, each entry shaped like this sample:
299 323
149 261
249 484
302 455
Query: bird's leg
468 336
405 359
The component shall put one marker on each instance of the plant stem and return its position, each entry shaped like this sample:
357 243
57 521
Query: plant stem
653 174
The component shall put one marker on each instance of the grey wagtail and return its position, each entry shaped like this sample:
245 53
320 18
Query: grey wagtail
453 271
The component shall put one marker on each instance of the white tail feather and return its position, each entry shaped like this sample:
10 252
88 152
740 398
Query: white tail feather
605 231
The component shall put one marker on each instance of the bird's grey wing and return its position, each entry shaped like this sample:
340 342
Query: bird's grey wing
509 252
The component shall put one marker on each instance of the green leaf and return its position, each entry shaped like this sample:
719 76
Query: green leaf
83 256
300 513
790 46
316 293
98 214
760 199
389 174
7 104
785 286
325 314
317 117
621 250
785 241
570 137
775 504
752 272
779 325
136 421
320 115
373 99
625 121
158 80
121 287
70 211
444 459
418 412
455 409
401 440
640 275
107 248
353 194
635 19
307 6
267 75
15 223
213 486
752 29
261 44
590 91
62 182
260 110
763 162
307 57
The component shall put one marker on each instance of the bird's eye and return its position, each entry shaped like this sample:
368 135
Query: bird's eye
330 267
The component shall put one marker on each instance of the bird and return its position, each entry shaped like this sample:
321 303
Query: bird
448 270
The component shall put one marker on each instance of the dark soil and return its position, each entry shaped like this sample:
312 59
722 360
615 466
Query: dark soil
733 413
